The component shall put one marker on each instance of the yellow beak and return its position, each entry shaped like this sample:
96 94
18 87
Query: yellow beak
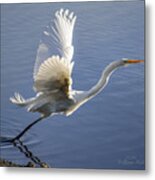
131 61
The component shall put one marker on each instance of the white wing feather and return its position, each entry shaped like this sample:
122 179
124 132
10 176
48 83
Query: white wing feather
63 30
59 34
54 75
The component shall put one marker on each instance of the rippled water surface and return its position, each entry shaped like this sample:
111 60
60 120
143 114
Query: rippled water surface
106 132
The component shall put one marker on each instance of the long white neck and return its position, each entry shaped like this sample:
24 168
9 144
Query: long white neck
104 79
83 96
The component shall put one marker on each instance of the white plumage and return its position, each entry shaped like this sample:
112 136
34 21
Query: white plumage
59 33
52 74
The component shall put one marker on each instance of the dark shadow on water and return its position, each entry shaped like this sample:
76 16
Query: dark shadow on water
28 154
34 160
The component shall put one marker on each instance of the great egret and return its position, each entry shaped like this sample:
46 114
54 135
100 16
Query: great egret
52 75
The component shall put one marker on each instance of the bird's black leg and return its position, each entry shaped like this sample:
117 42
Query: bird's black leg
25 130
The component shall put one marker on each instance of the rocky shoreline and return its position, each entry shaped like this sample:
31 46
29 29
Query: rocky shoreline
5 163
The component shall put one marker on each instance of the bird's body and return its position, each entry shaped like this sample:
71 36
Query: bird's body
52 74
51 103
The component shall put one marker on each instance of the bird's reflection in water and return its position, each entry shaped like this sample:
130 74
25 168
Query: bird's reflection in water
28 154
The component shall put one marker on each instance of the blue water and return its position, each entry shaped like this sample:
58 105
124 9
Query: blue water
106 132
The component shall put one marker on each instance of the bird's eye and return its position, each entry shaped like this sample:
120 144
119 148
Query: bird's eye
125 59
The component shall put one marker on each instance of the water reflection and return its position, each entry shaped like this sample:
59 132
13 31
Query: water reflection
35 161
28 154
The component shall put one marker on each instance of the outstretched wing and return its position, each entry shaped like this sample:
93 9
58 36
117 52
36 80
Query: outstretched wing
58 37
54 76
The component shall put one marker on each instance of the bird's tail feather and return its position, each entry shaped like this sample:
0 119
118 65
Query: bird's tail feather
20 101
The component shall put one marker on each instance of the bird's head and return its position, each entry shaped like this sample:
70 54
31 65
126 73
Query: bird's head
131 61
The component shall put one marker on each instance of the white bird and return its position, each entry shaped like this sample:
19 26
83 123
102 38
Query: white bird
52 74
